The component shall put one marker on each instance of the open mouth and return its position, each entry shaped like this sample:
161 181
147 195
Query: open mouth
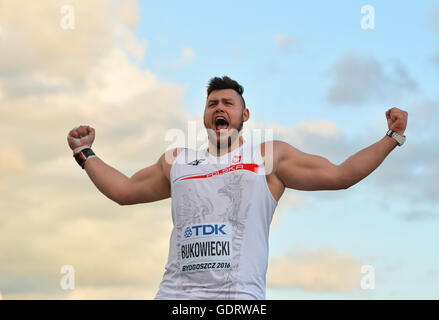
221 123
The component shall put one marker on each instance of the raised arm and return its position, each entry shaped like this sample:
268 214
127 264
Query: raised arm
361 164
147 185
302 171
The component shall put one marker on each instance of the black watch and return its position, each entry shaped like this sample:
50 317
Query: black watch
399 138
82 156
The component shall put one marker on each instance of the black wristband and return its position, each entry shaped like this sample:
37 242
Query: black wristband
82 156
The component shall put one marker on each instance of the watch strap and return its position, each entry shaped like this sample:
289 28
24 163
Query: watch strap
400 139
83 155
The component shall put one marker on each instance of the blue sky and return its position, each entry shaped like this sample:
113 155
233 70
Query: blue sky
293 83
287 84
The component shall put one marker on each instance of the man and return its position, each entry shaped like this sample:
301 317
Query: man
224 196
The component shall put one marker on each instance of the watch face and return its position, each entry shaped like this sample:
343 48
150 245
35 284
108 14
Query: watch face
399 138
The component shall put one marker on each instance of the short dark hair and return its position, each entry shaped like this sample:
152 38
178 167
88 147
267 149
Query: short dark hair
225 83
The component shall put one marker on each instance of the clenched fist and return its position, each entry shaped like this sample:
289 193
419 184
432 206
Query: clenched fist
397 120
81 136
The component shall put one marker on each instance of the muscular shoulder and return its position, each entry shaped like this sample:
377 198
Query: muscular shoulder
274 151
271 152
168 158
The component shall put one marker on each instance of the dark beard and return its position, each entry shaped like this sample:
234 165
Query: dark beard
229 139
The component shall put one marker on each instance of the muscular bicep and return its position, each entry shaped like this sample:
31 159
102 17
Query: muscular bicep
304 171
147 185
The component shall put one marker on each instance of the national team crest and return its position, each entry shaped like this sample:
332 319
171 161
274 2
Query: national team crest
236 159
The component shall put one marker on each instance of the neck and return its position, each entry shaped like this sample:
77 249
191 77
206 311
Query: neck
218 152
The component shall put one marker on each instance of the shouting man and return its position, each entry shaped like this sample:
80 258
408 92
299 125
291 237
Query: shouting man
224 195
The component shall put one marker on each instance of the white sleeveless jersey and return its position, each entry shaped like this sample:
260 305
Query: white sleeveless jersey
221 210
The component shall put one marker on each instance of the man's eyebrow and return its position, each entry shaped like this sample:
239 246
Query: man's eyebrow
216 100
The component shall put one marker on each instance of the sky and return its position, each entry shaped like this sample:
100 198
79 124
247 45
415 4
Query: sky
134 70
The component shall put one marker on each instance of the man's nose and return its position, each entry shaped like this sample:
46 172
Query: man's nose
219 108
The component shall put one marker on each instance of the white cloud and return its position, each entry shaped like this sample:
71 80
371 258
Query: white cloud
319 270
320 127
3 34
434 21
235 53
11 162
128 41
187 56
434 18
317 136
416 158
362 79
36 42
51 211
128 13
417 215
112 293
285 43
290 201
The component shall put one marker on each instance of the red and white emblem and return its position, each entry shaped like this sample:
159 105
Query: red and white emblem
236 159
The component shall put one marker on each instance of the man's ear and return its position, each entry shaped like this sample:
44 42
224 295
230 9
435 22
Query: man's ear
246 114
